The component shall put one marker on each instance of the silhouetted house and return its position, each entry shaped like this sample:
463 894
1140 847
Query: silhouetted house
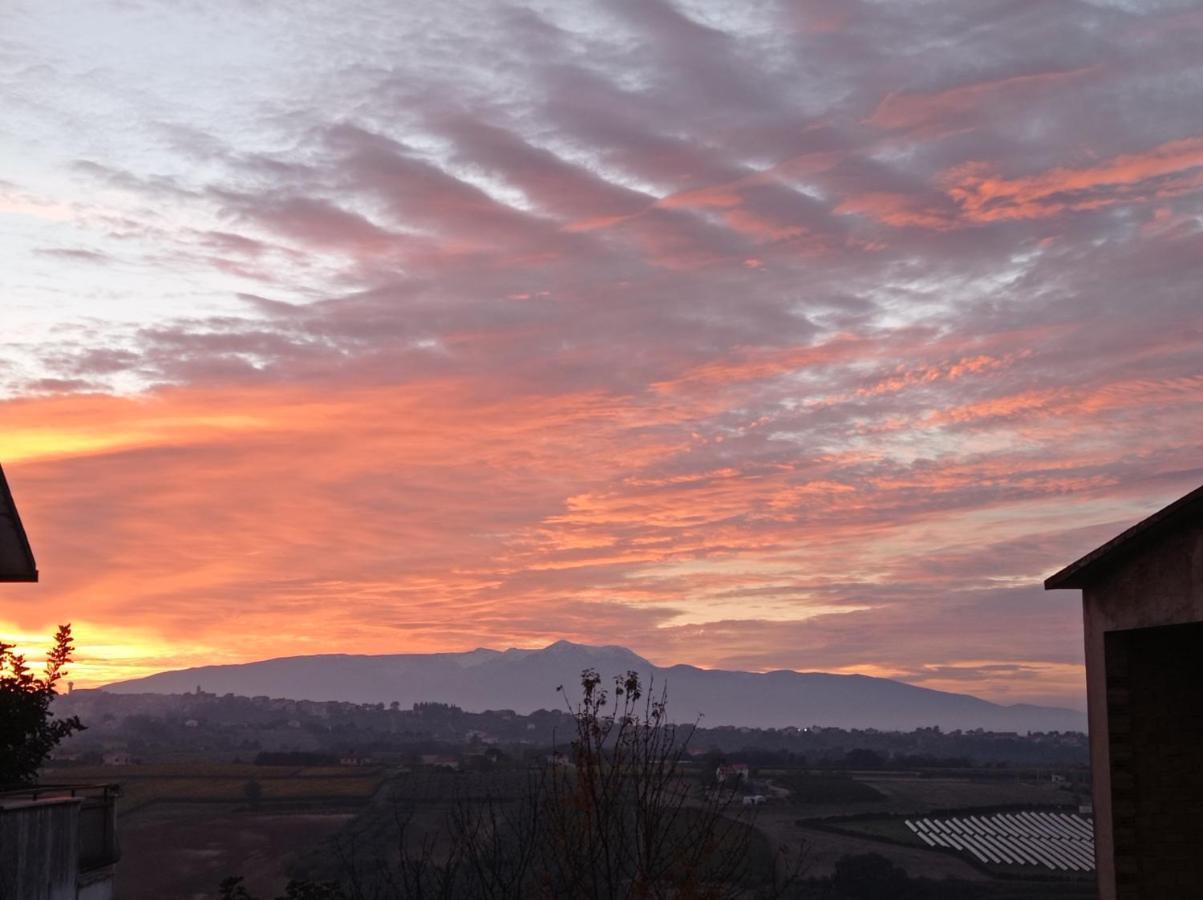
1142 600
56 842
16 558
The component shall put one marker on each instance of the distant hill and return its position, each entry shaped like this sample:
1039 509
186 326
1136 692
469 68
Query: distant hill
526 680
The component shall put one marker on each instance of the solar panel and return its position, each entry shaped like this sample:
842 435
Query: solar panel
1050 840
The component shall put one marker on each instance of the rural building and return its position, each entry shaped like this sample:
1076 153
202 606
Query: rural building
439 761
56 842
1142 601
731 772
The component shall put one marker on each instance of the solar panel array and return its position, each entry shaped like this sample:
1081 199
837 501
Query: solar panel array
1053 840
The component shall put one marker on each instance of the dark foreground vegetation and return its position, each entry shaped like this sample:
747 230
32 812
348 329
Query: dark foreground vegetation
611 813
619 810
862 877
29 731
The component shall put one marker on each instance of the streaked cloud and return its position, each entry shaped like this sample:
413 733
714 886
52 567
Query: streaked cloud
791 334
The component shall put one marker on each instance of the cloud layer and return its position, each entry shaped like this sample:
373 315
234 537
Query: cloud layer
803 334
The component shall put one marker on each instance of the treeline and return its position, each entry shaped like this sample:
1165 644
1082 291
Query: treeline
921 748
150 725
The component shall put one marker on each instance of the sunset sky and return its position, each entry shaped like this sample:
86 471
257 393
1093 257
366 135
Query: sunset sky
803 334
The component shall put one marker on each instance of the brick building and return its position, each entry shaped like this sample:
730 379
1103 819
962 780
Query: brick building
1142 602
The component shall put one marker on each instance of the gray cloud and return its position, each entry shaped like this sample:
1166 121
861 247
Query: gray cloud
824 278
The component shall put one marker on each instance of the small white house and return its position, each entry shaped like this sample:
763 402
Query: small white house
728 771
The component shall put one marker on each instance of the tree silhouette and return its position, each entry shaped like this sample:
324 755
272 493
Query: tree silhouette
612 814
252 790
29 731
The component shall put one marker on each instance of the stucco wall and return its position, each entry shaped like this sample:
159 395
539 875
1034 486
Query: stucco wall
39 850
1160 585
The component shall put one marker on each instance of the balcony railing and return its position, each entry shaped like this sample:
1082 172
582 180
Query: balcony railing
97 817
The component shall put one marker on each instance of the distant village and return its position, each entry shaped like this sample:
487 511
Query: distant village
128 729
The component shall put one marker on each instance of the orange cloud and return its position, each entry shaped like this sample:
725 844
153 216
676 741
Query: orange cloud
897 210
192 525
944 110
755 365
1169 170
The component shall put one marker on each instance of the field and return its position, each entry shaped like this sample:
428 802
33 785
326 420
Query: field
919 795
1050 841
817 796
425 786
824 848
217 783
424 801
182 829
172 852
809 788
866 813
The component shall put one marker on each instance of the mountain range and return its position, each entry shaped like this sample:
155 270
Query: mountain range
526 680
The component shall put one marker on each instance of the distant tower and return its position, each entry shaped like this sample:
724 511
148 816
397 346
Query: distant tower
198 690
70 686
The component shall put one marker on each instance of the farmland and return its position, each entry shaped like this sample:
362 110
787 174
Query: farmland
810 788
835 815
1055 841
182 828
417 809
867 813
143 786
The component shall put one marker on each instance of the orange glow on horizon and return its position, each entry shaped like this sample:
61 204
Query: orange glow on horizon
239 525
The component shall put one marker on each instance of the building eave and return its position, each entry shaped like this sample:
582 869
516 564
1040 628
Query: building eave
1082 572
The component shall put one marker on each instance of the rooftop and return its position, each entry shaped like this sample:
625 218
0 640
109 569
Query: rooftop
16 557
1182 513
